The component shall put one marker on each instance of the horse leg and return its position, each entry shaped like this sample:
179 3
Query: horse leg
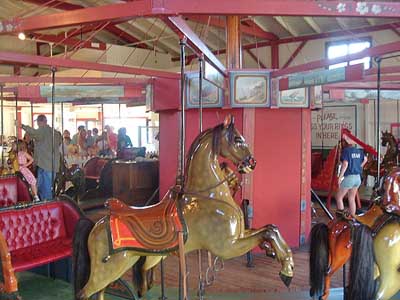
151 262
141 282
104 269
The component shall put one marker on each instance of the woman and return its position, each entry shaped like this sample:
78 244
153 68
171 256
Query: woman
353 161
124 141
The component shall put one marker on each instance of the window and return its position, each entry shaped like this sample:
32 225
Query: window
342 48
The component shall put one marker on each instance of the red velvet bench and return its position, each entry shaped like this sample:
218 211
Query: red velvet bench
93 167
14 189
34 236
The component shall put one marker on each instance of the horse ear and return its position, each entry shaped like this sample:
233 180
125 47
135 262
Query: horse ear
229 120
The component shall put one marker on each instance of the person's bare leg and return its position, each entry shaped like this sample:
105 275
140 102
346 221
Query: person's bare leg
339 198
352 200
34 189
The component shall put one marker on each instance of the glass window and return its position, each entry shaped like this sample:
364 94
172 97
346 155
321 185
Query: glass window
338 49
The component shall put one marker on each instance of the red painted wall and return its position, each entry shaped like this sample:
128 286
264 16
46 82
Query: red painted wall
276 181
277 148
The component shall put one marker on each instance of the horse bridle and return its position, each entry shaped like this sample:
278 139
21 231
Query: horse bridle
226 179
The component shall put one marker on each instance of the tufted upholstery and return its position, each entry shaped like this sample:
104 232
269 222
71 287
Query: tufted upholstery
13 189
93 167
39 234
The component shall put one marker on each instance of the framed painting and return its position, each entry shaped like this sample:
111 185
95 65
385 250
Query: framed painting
149 97
249 88
293 98
212 96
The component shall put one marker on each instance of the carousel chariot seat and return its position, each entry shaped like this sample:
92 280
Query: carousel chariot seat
35 235
14 189
93 167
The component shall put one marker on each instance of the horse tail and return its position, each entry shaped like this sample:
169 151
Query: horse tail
362 284
319 251
137 278
80 257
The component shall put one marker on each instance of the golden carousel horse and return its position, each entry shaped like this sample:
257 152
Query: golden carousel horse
372 241
389 160
203 210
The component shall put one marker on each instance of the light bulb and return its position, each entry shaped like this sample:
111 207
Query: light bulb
21 36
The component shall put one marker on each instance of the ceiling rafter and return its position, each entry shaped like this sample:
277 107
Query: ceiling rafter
112 28
286 26
311 22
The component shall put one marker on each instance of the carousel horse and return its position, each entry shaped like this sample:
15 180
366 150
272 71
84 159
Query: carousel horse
389 160
203 211
372 241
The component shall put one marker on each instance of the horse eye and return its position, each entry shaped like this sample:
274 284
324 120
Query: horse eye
238 140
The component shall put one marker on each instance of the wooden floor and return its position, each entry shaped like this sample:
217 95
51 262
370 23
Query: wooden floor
236 277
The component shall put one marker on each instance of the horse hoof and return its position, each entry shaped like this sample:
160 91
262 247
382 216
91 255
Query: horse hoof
286 279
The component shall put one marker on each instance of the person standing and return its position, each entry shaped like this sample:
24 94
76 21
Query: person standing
43 155
25 160
353 161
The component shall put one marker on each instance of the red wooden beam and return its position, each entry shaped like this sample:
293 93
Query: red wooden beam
372 52
274 56
383 78
72 42
110 28
311 37
78 64
255 30
257 59
244 29
294 54
384 70
139 8
80 80
182 27
55 4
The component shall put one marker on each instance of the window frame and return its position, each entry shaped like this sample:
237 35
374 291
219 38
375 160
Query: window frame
348 41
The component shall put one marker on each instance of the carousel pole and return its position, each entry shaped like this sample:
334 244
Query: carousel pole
378 120
180 176
16 118
102 124
53 80
199 257
2 125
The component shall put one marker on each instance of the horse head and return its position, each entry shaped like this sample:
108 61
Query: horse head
391 197
387 138
230 144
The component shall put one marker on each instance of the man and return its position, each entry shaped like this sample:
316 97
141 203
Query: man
90 139
76 135
112 138
43 155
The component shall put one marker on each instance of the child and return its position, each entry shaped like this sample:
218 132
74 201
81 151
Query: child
25 160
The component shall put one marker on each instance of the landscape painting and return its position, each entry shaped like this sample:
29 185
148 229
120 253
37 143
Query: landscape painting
250 89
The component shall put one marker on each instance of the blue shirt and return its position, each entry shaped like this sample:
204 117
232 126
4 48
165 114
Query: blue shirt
354 157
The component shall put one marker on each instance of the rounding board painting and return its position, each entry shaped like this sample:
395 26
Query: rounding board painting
250 88
212 96
293 98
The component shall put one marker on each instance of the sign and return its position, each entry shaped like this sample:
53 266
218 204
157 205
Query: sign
358 95
83 91
327 123
317 78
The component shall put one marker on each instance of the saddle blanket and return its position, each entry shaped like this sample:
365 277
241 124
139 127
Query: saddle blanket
148 230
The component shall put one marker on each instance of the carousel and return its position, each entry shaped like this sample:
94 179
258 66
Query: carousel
226 207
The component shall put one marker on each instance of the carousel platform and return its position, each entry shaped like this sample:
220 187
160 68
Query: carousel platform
38 287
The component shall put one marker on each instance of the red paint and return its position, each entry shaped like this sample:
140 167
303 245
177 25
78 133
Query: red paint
274 55
166 94
99 80
277 179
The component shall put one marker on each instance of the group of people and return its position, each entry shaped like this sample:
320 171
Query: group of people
40 142
91 143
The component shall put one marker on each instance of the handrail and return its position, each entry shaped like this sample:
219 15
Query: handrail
324 208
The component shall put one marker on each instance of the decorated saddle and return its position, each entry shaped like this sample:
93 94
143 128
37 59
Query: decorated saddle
152 229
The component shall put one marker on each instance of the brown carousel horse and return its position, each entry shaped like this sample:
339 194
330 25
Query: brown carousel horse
205 211
389 160
372 242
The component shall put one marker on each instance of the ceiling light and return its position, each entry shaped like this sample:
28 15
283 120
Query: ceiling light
21 36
